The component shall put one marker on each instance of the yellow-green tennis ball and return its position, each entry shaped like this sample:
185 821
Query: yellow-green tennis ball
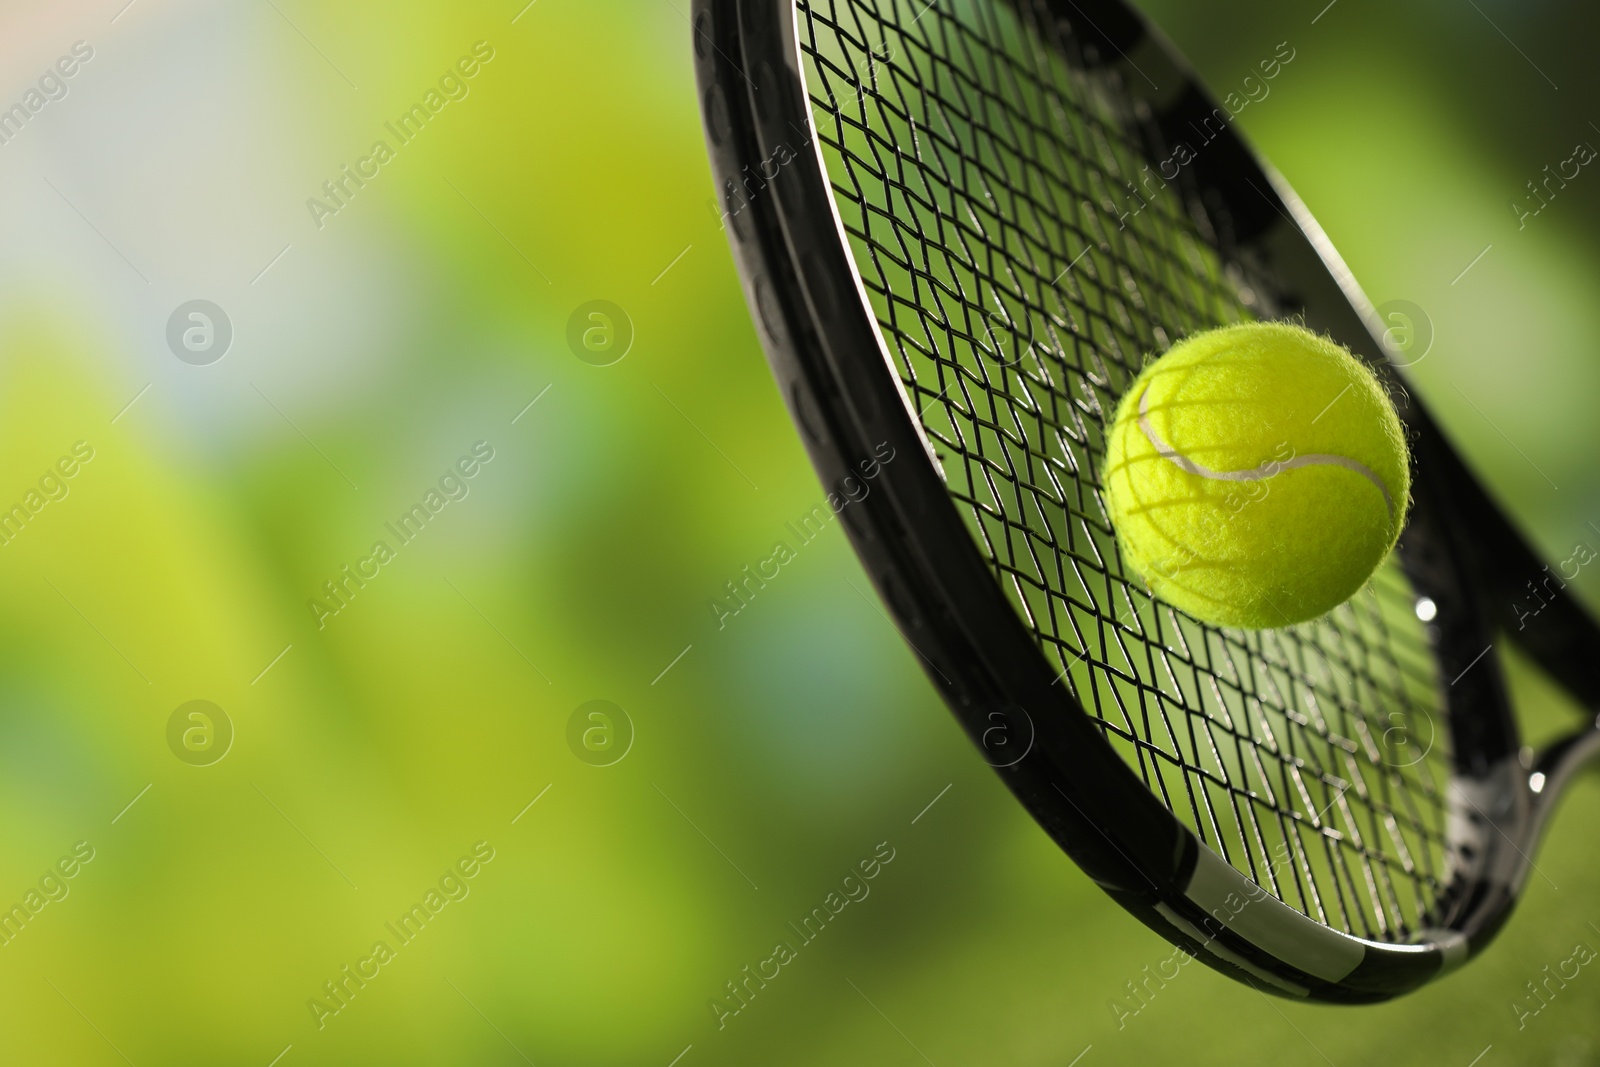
1256 475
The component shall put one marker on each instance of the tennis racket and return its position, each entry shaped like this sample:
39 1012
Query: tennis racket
962 226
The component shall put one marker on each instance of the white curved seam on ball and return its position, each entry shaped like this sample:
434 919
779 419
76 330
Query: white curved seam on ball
1254 474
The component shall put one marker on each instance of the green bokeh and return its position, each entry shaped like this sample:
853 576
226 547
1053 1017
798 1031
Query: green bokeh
784 744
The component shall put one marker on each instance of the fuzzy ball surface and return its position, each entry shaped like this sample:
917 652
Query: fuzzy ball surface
1256 475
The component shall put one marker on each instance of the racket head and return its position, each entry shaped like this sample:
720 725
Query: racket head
923 202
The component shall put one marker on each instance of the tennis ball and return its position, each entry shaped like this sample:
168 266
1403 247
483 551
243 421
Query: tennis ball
1256 475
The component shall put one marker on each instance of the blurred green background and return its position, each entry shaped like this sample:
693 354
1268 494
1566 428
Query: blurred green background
760 762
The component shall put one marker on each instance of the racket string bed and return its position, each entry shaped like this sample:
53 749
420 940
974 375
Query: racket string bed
1023 261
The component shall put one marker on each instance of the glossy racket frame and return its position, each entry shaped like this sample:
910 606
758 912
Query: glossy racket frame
822 341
